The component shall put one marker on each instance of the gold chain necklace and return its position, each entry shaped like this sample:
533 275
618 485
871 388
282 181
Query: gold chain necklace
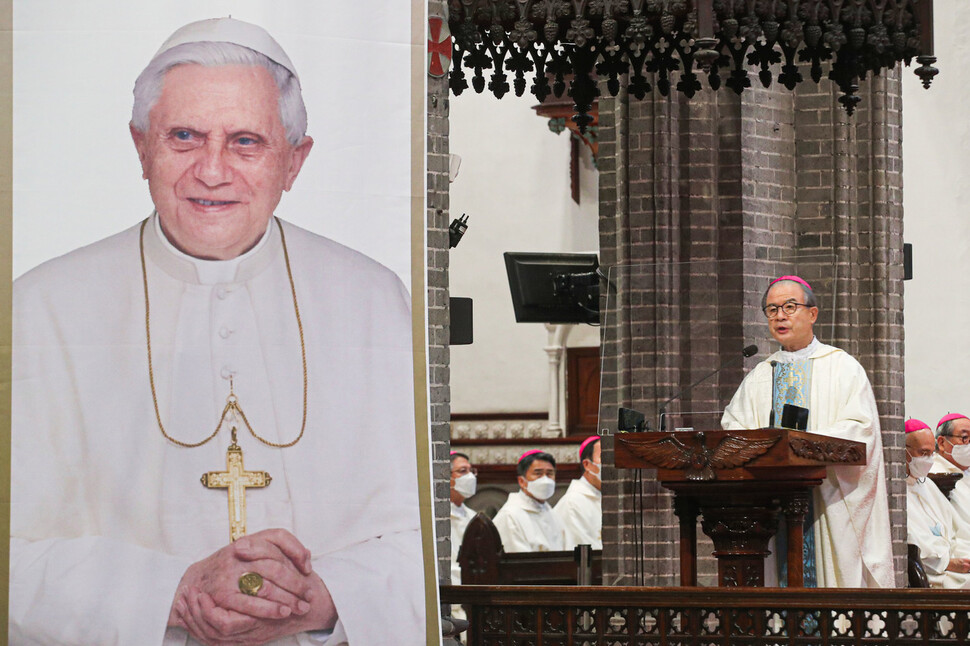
232 402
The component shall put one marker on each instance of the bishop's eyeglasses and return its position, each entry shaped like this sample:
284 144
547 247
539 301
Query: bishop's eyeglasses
789 308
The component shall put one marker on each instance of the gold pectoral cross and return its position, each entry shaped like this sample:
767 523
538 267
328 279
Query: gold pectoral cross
235 479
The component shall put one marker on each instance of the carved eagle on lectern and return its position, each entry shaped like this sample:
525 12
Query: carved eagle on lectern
699 461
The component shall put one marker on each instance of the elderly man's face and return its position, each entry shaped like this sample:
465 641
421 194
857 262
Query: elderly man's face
216 157
792 331
919 444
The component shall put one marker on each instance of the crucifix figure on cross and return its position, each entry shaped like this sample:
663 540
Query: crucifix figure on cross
235 479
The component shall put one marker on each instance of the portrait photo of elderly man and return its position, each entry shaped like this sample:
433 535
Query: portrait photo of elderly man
213 410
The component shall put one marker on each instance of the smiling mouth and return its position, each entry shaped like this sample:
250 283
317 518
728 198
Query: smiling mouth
201 202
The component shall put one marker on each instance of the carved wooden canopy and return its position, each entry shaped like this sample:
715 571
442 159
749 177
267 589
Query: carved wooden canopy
674 44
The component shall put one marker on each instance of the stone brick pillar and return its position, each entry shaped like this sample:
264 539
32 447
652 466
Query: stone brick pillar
741 188
438 313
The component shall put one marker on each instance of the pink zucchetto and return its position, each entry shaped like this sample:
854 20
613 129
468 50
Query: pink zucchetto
528 453
913 425
586 442
800 281
949 417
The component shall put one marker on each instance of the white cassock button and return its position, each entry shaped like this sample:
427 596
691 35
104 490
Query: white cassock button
227 372
224 332
222 291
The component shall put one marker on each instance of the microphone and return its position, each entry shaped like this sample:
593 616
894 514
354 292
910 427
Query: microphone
774 395
748 351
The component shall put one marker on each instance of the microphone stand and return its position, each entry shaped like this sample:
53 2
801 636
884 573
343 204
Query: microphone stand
749 351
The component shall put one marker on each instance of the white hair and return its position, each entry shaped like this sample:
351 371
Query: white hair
807 294
945 429
148 85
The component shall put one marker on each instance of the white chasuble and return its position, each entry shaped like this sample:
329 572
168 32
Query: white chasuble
960 496
580 511
931 526
527 525
107 514
461 515
853 547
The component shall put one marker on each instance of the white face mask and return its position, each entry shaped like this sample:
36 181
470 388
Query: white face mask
919 467
466 484
599 470
961 454
542 488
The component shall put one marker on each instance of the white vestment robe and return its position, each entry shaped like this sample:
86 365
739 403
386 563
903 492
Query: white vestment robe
853 548
960 496
527 525
931 526
107 514
461 515
580 511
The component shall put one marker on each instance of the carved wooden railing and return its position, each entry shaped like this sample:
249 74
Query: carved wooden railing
627 616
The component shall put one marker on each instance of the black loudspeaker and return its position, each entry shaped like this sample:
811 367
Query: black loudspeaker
461 320
907 261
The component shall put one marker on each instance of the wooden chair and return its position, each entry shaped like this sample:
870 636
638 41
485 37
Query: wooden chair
914 568
484 561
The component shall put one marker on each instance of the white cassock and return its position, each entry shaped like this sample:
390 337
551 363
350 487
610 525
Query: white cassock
853 548
461 515
931 526
527 525
107 514
960 496
580 511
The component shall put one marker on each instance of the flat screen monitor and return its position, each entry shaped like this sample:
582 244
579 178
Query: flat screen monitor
554 287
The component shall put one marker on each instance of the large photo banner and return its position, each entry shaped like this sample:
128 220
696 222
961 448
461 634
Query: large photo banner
216 433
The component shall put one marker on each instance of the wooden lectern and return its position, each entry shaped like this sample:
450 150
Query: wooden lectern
739 482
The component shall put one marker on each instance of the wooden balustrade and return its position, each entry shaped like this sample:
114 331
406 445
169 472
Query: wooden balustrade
635 616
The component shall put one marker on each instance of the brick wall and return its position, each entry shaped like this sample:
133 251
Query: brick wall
849 199
438 325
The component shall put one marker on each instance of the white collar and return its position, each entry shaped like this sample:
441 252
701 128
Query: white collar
588 487
785 356
529 503
189 269
460 510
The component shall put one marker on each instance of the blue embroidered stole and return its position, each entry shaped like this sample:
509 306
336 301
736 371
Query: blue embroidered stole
793 385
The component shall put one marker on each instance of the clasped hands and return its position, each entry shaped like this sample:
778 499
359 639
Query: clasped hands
957 564
292 599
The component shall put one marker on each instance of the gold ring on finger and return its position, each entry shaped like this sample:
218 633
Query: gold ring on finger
250 583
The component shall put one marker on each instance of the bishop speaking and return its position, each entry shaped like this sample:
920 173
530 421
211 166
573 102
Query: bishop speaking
847 542
212 428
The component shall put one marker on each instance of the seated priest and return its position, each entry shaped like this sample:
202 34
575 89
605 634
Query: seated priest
953 456
208 330
580 510
526 522
848 520
464 481
943 541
